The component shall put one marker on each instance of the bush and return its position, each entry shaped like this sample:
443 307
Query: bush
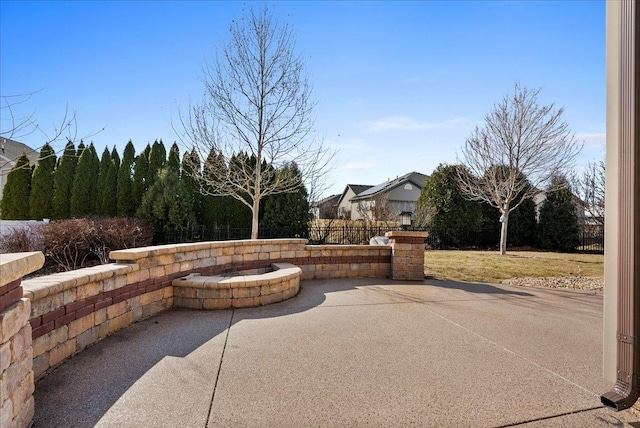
23 239
558 226
120 233
75 243
68 242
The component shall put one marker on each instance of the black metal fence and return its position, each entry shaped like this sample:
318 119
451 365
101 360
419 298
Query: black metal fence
591 239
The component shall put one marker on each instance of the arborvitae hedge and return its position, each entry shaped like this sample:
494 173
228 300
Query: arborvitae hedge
108 207
83 194
125 207
287 211
103 170
191 168
157 160
15 195
139 186
173 163
41 196
63 181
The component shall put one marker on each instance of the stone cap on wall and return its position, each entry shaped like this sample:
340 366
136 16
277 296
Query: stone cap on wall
43 286
406 233
133 254
16 265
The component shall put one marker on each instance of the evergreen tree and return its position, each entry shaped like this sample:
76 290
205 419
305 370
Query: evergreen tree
165 206
558 226
63 181
15 196
442 206
522 225
223 211
41 197
125 207
139 185
94 183
173 163
191 168
81 148
109 195
287 214
213 211
157 160
115 157
83 193
101 184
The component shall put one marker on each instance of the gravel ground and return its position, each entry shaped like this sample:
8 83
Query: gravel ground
573 282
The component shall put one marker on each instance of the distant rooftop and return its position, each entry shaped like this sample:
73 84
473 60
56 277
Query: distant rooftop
415 177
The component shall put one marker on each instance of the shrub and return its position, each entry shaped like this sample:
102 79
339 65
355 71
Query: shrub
120 233
71 244
22 239
68 242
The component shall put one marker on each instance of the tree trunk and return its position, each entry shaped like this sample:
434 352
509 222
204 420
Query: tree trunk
254 218
503 234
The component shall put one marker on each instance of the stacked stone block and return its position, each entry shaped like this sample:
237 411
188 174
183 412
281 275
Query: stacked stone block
407 255
72 310
16 352
247 290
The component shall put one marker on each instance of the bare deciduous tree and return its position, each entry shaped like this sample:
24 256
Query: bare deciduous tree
377 209
15 125
521 146
257 101
591 187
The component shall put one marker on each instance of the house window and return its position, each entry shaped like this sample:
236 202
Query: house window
408 187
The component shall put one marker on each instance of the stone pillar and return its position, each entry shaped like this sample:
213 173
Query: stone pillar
407 254
16 352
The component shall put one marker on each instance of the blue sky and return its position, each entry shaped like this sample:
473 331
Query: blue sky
399 85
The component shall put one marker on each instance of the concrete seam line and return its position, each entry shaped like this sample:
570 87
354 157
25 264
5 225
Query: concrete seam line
215 385
514 353
544 418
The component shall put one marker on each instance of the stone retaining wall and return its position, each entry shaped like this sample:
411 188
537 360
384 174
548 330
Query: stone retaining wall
47 319
73 310
16 352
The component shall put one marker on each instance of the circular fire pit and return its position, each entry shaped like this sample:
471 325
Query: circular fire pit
238 290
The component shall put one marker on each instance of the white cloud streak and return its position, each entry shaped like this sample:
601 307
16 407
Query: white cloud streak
592 139
407 123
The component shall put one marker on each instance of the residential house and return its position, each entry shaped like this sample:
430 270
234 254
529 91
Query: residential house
345 210
10 152
386 201
326 208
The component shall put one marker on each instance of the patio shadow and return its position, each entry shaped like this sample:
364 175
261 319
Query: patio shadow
81 391
476 288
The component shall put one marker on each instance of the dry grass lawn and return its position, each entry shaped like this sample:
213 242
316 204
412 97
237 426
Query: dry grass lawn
489 266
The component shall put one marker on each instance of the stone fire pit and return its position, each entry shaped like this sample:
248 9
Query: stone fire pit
239 289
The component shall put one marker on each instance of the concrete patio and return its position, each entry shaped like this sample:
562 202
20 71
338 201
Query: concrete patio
358 352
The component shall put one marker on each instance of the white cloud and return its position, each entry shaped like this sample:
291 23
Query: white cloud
598 139
406 123
398 123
